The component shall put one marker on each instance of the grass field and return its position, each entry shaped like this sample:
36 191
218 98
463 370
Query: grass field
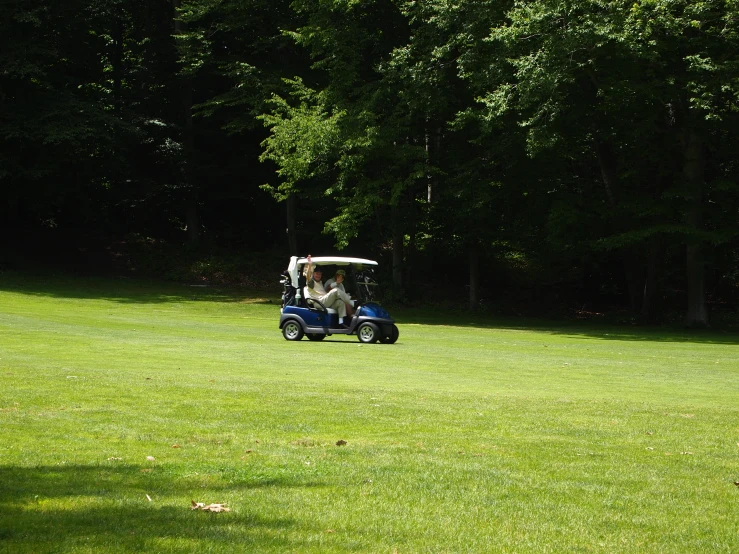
122 401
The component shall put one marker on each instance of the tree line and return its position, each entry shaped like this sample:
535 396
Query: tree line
585 145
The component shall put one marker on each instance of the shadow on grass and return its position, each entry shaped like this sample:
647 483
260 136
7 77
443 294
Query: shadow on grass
125 290
137 291
106 509
596 330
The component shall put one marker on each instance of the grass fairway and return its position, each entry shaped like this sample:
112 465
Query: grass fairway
120 402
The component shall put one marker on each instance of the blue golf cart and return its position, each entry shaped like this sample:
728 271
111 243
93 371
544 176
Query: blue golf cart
304 316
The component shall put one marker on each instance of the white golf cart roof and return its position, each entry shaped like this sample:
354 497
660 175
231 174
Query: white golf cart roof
335 260
296 263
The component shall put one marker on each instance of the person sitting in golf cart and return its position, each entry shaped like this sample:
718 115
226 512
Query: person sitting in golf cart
338 283
315 289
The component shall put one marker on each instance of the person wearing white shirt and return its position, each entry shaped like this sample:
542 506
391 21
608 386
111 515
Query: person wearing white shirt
337 283
330 299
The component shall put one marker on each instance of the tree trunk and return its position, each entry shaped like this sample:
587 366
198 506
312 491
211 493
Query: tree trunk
694 151
427 140
116 60
410 227
474 276
634 279
697 313
192 208
433 153
650 302
607 163
398 238
632 267
11 210
292 235
192 217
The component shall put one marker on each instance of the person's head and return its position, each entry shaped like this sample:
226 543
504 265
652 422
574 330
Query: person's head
317 273
339 277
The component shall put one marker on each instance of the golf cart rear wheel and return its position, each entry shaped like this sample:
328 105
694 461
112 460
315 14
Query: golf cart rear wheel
292 330
315 336
392 338
368 333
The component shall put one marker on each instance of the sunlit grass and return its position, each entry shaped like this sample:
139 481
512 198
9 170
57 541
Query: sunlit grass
120 402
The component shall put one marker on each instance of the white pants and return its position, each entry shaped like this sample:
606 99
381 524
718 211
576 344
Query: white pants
334 300
345 297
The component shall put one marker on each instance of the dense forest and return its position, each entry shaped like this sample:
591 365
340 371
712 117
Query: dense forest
543 154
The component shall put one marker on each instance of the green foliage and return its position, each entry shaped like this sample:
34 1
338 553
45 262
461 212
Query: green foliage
303 139
244 44
54 105
561 129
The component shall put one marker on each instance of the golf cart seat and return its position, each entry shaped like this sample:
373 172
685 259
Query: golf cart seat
312 302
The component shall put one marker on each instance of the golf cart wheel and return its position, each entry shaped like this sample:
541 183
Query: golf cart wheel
368 333
393 336
292 330
315 336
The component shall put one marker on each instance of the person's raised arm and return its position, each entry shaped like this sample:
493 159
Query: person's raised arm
308 269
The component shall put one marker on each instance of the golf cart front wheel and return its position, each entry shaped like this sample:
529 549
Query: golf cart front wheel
292 330
368 333
315 336
392 337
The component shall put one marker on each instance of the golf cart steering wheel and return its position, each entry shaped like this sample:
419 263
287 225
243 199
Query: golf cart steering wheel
315 301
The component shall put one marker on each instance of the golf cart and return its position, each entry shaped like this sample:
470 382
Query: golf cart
302 315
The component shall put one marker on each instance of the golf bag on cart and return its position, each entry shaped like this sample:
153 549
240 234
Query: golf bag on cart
288 293
366 285
290 296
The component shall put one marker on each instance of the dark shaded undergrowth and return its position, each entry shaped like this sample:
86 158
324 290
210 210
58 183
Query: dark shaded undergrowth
136 290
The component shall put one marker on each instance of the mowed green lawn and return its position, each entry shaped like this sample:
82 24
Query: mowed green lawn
121 402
